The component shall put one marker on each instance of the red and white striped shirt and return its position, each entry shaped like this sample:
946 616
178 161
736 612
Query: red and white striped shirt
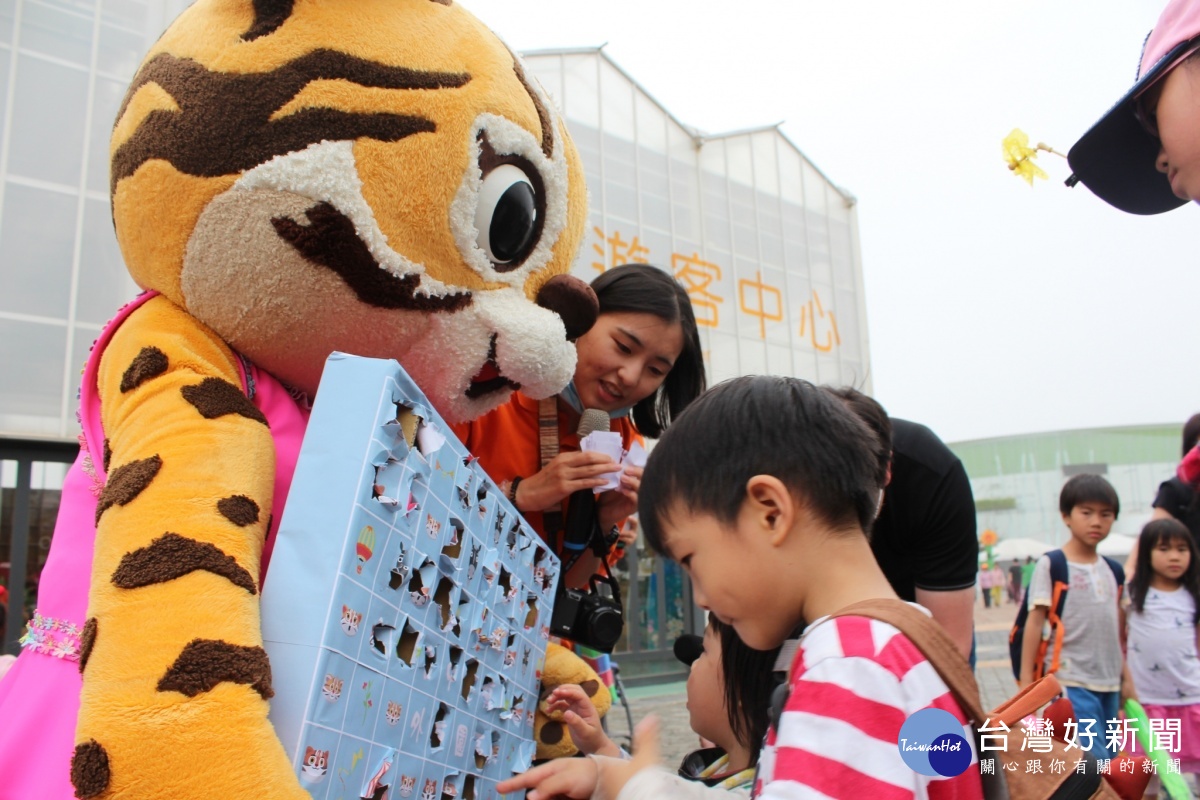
854 682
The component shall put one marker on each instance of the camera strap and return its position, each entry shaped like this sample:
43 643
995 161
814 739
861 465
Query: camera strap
607 576
549 444
548 447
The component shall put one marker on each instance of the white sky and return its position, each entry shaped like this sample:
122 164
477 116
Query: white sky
993 308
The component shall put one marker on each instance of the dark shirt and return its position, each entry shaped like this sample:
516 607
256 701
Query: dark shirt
925 534
1177 499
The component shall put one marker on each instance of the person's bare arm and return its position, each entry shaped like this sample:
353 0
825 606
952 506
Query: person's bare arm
1029 645
955 611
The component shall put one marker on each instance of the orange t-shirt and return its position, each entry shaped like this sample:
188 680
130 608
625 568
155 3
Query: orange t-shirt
506 443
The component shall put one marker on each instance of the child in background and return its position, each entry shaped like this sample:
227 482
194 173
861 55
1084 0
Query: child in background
1091 664
1164 608
731 714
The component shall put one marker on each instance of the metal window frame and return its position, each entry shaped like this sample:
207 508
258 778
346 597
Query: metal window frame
25 452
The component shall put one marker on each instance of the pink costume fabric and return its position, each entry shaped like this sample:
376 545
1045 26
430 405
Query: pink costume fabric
39 697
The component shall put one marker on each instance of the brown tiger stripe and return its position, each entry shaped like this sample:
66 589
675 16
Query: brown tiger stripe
87 640
204 663
89 769
172 556
107 454
238 509
268 16
149 363
126 482
330 240
224 123
214 397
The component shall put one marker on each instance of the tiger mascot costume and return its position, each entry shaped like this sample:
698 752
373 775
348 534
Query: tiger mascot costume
288 178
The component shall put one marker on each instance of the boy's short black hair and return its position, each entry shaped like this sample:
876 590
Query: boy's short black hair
1087 488
761 425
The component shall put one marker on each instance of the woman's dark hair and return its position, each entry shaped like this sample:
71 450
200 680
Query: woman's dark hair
645 289
1155 533
869 410
1191 433
749 680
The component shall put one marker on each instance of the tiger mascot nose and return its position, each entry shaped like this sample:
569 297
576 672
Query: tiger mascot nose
574 302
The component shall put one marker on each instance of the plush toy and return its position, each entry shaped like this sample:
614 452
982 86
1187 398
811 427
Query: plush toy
564 667
289 178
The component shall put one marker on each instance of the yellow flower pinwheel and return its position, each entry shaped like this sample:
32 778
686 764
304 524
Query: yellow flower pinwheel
1020 155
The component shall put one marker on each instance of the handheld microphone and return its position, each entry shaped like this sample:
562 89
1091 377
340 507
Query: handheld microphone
581 509
593 419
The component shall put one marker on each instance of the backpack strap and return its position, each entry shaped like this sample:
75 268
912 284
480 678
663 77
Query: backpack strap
942 654
1118 572
1060 582
933 642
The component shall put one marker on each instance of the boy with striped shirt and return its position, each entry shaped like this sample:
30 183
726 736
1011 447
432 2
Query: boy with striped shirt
763 491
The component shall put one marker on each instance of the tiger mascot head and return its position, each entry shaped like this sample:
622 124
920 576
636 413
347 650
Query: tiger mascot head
379 177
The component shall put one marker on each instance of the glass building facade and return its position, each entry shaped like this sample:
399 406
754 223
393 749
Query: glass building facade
64 66
765 244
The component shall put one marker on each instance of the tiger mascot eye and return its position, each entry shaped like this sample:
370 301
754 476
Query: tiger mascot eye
288 178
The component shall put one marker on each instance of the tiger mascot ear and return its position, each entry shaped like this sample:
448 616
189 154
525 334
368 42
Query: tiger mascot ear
379 177
291 177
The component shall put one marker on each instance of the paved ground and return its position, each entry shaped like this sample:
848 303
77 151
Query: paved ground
668 701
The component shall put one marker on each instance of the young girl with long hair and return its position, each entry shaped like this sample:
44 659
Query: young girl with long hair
1164 609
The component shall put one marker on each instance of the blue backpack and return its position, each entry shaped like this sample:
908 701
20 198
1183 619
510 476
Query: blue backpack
1060 581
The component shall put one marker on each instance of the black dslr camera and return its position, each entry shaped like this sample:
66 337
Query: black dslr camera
593 618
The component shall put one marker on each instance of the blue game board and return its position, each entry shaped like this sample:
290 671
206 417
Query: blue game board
407 605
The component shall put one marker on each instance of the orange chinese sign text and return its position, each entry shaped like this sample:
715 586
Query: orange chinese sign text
697 276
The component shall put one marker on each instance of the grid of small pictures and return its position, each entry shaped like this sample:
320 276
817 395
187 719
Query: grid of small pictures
427 678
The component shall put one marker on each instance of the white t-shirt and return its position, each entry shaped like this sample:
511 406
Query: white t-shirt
1162 649
1091 648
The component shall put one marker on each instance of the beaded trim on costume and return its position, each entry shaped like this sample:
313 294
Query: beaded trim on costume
52 637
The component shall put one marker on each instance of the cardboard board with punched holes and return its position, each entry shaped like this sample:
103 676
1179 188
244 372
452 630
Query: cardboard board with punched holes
401 613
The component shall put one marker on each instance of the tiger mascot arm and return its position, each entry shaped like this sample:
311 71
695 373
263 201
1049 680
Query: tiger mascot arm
181 525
